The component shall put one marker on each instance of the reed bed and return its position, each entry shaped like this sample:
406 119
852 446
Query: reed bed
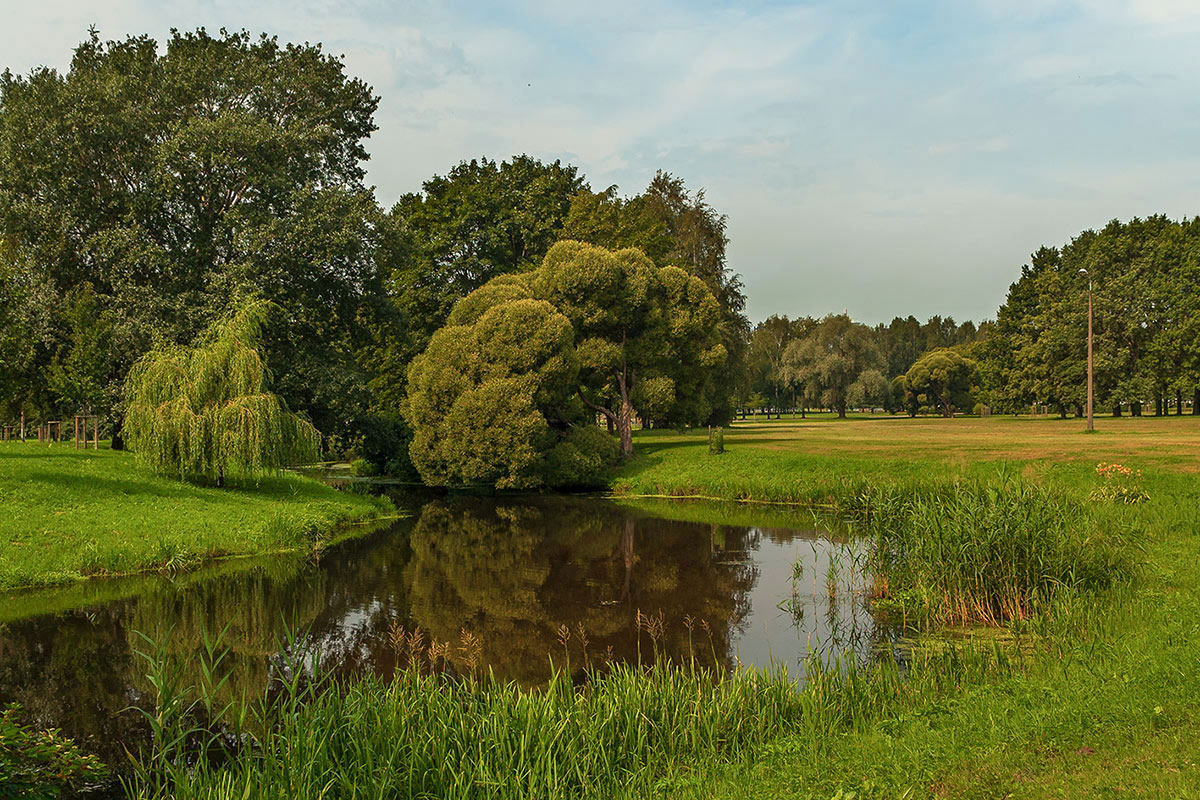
971 552
628 730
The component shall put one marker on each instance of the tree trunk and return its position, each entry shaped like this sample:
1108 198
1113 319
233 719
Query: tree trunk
1078 410
1196 401
1135 409
841 411
625 427
1117 410
1178 402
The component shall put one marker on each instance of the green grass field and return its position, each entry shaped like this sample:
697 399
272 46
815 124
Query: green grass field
72 514
1107 701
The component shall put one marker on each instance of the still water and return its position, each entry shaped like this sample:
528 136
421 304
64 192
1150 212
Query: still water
512 572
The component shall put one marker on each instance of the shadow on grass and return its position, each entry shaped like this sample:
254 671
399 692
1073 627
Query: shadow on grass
273 488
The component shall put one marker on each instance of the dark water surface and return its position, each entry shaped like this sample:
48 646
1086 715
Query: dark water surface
512 572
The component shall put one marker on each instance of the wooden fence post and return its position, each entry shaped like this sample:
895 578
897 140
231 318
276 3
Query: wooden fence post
95 433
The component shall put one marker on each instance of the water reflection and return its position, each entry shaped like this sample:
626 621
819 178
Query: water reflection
510 571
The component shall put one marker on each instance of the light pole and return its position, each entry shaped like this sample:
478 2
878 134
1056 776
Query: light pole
1091 426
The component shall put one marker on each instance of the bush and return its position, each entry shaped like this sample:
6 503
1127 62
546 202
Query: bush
41 764
716 441
583 458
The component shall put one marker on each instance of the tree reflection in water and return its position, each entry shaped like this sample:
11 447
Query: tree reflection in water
512 572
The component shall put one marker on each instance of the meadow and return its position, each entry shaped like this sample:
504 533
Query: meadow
1058 659
1106 699
75 514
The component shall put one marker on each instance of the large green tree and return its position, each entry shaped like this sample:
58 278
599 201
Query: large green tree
508 391
207 410
944 378
837 362
173 179
675 226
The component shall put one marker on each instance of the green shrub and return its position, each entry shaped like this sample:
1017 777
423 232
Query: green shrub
582 459
41 764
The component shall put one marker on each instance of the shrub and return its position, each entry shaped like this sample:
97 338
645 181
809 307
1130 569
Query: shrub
41 764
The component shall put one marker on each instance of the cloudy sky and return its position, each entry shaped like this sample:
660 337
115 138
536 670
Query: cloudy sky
885 158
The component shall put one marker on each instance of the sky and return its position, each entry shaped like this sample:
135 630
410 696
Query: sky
886 158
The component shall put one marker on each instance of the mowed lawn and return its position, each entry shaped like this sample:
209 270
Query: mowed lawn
790 460
70 514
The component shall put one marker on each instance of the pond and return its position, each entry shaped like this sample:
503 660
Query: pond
625 582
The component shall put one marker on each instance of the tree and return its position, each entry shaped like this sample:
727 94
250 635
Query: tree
205 411
491 399
674 226
828 363
506 393
944 377
647 338
481 220
174 181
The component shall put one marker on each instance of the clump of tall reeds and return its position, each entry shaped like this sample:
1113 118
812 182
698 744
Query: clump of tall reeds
428 732
968 551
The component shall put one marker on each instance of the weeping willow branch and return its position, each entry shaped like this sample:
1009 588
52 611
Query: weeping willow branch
205 411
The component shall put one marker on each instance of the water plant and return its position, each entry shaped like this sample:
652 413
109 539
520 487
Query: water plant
969 551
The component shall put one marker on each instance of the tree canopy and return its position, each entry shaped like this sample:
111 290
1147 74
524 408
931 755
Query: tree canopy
206 411
944 378
508 391
836 363
173 181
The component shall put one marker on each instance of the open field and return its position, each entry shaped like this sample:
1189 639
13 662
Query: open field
800 460
1107 700
72 514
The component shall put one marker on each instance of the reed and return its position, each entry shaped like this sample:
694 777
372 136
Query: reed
969 551
629 730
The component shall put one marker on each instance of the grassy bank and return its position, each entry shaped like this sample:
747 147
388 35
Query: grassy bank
72 514
1106 701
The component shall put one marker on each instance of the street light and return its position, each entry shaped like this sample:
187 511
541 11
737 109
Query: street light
1090 425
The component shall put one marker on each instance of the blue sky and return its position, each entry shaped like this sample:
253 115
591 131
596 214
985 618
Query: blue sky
884 158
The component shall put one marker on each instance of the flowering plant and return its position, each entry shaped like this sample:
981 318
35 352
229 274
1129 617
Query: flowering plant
1119 484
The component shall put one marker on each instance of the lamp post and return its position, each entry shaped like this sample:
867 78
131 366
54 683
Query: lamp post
1091 426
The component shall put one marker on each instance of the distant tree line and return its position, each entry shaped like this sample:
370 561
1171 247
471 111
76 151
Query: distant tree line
837 364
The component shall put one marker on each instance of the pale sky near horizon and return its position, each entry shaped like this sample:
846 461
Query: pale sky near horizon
885 158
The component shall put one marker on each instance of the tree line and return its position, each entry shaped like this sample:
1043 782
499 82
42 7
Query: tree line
149 195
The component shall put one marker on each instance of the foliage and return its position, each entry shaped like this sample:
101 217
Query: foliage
943 378
716 441
984 552
147 187
491 397
838 361
674 227
205 411
41 764
1143 274
524 359
481 220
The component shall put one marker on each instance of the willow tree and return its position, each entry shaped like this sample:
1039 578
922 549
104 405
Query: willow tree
205 411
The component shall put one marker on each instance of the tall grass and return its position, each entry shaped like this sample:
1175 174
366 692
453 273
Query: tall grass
628 730
968 551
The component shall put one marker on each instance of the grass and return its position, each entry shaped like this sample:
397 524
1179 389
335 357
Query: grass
628 731
1106 702
1085 683
71 515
